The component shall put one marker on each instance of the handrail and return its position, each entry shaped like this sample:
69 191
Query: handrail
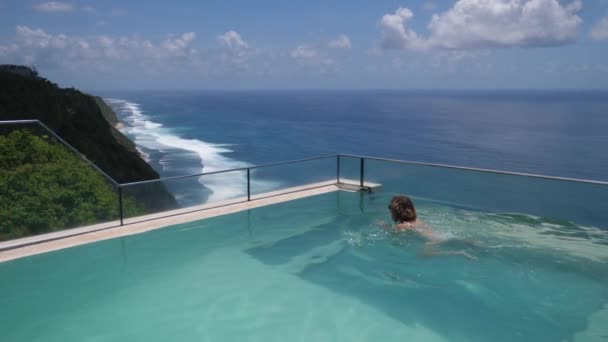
72 148
115 183
14 122
465 168
293 161
230 170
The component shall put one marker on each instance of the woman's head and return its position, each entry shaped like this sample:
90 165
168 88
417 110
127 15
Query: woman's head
402 209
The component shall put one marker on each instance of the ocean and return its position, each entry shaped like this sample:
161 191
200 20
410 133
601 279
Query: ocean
558 133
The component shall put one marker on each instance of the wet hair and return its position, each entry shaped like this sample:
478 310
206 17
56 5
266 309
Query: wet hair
403 210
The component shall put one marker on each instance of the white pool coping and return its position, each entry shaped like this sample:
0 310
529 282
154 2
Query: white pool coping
20 248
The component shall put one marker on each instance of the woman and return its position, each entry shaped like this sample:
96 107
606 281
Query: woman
404 215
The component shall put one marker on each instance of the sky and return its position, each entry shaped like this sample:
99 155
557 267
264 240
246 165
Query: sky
318 44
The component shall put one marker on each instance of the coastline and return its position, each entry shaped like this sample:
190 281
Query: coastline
171 154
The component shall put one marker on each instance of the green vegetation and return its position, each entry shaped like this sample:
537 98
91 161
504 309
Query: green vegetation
46 187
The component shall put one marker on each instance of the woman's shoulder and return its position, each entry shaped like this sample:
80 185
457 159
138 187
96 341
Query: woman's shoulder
406 225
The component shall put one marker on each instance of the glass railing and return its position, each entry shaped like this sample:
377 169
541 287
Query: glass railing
275 179
196 192
47 187
580 201
84 195
350 170
214 189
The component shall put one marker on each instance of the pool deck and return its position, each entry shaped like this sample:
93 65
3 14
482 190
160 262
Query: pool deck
19 248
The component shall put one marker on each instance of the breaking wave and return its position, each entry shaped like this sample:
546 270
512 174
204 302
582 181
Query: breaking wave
173 153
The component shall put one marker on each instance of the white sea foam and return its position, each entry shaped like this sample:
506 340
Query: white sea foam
153 136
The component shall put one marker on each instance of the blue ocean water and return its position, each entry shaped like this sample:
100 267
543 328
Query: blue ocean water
560 133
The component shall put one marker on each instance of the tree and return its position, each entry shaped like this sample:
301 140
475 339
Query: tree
45 187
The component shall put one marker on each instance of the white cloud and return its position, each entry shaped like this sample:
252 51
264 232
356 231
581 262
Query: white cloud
89 9
312 60
179 46
460 60
232 41
303 52
480 24
53 6
235 53
396 33
9 50
131 53
39 39
342 42
600 30
36 46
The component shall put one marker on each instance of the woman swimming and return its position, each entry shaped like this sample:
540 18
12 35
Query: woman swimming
404 215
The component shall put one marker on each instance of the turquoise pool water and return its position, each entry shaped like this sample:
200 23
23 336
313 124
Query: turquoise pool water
317 269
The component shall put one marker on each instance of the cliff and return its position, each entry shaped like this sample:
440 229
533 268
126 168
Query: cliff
86 123
112 119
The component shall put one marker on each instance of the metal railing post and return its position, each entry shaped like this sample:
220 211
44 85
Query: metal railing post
120 209
362 172
338 169
248 184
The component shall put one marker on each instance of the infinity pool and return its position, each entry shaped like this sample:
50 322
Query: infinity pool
317 269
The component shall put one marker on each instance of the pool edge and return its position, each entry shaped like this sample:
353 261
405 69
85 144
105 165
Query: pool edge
95 233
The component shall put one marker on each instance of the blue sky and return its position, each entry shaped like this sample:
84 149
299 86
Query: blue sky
265 44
